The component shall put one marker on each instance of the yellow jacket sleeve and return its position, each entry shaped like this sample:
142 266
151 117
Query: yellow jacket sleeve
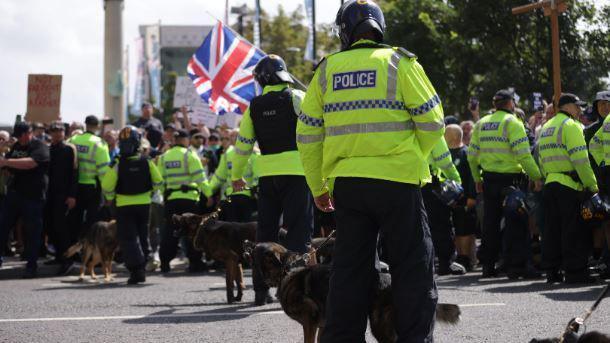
441 159
109 181
423 103
220 175
596 147
102 160
310 136
243 146
579 156
474 150
520 146
155 176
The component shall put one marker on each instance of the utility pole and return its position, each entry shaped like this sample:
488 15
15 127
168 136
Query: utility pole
113 62
552 8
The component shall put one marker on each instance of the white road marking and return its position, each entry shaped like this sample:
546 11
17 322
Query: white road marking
180 315
142 316
482 305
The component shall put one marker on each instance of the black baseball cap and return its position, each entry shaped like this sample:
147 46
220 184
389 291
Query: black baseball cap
92 120
57 126
181 134
504 94
569 98
20 128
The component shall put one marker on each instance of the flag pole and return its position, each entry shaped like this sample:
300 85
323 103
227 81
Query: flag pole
296 81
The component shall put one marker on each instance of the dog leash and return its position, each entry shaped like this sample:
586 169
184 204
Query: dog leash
575 323
306 257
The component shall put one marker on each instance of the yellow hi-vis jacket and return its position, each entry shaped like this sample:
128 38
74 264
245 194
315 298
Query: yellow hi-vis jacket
181 168
110 180
499 144
93 157
440 161
563 151
369 112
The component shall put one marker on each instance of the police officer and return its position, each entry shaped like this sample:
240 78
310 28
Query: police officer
369 121
439 214
564 162
184 180
93 163
271 120
131 182
499 152
600 149
239 207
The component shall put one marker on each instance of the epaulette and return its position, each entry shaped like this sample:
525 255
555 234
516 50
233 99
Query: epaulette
317 65
405 52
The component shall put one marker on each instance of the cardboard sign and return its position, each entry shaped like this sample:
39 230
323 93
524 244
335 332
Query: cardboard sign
537 104
186 95
44 98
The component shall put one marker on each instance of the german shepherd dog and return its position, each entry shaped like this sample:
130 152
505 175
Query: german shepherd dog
323 246
222 241
303 291
97 246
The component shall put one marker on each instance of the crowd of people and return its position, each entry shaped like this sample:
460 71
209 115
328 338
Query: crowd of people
53 189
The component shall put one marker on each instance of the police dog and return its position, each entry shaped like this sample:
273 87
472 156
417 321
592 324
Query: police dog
302 293
222 241
97 246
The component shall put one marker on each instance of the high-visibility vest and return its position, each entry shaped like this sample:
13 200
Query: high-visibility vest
371 112
441 163
183 174
563 154
499 144
93 157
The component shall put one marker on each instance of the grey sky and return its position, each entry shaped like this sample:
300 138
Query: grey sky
66 37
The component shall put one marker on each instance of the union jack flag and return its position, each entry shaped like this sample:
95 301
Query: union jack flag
221 70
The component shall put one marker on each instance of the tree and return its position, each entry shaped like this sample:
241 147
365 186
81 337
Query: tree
473 47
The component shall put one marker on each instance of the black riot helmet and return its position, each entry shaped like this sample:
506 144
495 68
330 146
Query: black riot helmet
357 17
129 141
271 70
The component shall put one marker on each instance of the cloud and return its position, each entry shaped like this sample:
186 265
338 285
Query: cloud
66 37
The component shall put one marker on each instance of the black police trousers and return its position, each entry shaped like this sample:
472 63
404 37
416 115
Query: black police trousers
566 241
441 228
87 210
169 242
514 242
286 195
364 208
132 231
239 209
56 222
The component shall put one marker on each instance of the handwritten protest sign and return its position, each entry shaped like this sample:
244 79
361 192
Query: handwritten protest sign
186 95
44 98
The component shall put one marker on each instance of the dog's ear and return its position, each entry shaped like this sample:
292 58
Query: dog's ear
248 247
177 219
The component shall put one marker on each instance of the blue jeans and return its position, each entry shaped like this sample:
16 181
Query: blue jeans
31 212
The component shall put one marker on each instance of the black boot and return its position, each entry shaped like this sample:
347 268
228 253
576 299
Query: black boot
582 277
165 267
137 276
489 271
262 297
554 276
528 273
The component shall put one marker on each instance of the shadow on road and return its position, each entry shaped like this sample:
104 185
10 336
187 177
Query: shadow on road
228 313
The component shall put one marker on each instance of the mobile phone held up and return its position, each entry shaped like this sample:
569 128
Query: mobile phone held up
474 103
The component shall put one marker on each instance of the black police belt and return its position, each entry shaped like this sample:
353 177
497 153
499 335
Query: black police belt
183 189
503 177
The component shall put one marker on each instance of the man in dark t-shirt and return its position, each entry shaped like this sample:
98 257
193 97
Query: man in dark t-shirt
463 215
147 121
27 162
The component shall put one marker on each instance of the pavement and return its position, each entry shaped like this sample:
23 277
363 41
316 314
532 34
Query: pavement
183 307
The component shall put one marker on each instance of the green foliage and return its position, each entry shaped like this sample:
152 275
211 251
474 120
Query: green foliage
475 47
286 35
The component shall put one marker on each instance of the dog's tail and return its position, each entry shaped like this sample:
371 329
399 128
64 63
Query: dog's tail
74 249
448 313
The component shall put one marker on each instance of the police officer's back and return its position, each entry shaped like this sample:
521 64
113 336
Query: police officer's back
131 182
271 121
564 162
369 121
93 163
184 179
499 154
